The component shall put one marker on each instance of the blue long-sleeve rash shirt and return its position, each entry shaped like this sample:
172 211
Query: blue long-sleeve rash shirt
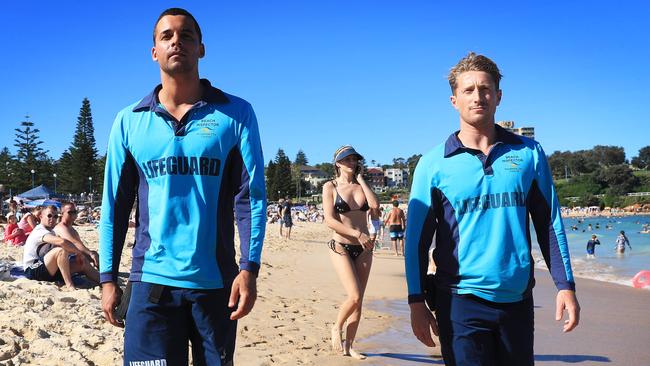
478 207
188 178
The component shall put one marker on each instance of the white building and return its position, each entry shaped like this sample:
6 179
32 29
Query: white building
313 176
396 177
522 131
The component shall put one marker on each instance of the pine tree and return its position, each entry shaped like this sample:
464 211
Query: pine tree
271 190
301 158
283 174
7 167
30 157
300 186
79 163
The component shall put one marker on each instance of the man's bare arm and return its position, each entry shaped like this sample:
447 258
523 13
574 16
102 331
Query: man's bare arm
72 236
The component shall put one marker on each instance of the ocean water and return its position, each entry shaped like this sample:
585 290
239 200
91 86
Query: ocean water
608 265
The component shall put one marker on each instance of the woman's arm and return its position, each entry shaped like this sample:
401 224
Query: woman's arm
373 201
31 221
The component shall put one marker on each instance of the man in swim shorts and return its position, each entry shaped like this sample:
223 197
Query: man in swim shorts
396 223
191 155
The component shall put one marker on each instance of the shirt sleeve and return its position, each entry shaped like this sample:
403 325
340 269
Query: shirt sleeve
544 209
120 184
250 197
422 225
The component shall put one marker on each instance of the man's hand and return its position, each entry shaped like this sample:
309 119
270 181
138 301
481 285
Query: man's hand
243 294
566 300
94 258
423 323
111 296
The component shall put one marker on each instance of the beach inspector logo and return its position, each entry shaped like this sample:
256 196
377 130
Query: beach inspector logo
512 163
207 127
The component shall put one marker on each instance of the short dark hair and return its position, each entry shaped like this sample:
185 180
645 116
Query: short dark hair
178 11
396 203
474 62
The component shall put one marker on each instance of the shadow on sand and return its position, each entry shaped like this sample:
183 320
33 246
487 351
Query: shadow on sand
411 357
571 358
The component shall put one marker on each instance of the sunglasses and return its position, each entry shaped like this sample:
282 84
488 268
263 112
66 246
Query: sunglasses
49 216
72 212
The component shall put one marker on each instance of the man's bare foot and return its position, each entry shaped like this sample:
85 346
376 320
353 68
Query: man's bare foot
336 339
356 355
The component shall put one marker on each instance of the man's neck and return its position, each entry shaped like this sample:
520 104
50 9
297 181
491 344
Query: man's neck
180 90
478 136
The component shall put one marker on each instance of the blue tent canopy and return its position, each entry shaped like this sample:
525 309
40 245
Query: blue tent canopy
38 193
43 202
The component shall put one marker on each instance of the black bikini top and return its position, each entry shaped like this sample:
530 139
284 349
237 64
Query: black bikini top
341 206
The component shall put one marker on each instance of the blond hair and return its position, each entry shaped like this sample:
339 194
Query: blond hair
474 62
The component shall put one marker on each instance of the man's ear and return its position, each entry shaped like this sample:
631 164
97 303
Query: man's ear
201 51
154 54
452 99
499 94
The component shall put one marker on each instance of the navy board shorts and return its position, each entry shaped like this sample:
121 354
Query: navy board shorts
474 331
161 320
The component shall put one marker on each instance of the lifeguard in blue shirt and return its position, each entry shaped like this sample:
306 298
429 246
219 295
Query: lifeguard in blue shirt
190 157
475 193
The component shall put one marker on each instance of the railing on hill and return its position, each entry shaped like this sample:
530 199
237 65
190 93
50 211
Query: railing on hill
638 194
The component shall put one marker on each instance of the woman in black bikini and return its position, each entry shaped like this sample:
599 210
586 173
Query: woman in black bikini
345 202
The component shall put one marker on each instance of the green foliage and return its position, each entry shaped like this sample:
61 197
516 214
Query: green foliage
642 161
282 178
580 186
618 179
297 181
411 163
327 168
271 187
30 156
301 158
79 162
571 164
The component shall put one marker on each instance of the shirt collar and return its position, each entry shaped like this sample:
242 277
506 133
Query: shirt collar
210 95
454 145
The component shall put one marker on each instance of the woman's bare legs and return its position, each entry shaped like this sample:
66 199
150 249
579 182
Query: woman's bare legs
354 277
345 269
362 269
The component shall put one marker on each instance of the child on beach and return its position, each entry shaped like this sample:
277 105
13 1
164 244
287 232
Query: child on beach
591 246
13 234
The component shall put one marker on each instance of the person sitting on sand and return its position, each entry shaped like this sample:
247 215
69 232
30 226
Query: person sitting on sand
30 219
13 234
65 230
345 202
621 240
47 257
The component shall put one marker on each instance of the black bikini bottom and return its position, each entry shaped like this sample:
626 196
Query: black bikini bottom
354 251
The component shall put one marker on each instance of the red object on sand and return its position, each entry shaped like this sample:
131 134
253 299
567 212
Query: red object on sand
641 279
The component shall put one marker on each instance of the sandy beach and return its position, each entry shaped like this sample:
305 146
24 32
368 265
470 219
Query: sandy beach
298 296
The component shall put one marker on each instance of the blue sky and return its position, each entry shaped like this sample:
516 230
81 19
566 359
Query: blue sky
323 74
